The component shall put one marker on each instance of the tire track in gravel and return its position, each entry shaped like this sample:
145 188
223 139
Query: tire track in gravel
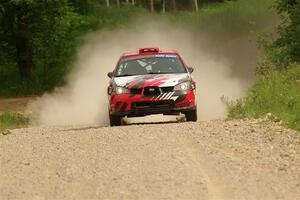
214 191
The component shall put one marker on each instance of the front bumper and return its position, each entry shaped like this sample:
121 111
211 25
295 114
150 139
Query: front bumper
137 105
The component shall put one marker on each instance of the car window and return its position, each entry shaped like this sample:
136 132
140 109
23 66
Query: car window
154 64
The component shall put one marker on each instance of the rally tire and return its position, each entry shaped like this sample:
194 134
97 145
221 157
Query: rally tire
115 120
191 116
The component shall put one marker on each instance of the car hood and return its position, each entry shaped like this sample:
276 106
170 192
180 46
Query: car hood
148 80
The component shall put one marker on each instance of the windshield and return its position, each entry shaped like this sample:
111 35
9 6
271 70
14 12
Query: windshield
150 64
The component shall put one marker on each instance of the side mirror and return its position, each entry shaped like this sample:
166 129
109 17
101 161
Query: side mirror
110 74
190 69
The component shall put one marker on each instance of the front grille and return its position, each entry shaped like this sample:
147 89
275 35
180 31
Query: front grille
152 106
151 91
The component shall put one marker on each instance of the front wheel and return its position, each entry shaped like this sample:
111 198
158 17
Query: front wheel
115 120
191 116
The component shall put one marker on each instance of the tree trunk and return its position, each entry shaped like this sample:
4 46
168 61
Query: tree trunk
118 3
173 5
196 5
152 5
133 2
163 6
24 58
23 47
107 3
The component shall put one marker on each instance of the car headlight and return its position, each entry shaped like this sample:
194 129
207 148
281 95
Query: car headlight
183 86
121 90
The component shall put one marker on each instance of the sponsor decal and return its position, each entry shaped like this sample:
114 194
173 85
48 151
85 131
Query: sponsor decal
161 80
166 56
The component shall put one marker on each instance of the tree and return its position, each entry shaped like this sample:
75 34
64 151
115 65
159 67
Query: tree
15 21
288 42
285 49
35 31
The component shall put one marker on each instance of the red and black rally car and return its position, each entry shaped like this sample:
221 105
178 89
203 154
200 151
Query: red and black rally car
151 81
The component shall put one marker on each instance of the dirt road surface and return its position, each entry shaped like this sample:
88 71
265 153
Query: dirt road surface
17 104
205 160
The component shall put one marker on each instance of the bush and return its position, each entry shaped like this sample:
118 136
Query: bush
285 48
277 92
288 42
9 120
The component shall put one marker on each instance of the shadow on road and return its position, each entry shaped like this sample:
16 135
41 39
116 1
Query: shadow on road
150 123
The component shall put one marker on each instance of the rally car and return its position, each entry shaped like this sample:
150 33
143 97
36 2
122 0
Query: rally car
151 81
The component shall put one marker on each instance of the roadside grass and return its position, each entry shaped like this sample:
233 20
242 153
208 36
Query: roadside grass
278 93
12 120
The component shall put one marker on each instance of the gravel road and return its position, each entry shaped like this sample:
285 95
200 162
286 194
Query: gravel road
204 160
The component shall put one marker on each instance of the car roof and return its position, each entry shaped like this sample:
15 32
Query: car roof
149 50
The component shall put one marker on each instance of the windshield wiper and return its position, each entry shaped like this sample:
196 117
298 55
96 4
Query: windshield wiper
155 73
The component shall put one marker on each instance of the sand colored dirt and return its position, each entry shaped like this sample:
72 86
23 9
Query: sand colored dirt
206 160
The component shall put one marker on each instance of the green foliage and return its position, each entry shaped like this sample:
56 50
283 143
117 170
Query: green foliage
229 19
277 92
54 29
286 48
47 26
277 89
9 120
289 30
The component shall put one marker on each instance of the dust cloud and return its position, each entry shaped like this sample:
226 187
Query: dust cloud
84 101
